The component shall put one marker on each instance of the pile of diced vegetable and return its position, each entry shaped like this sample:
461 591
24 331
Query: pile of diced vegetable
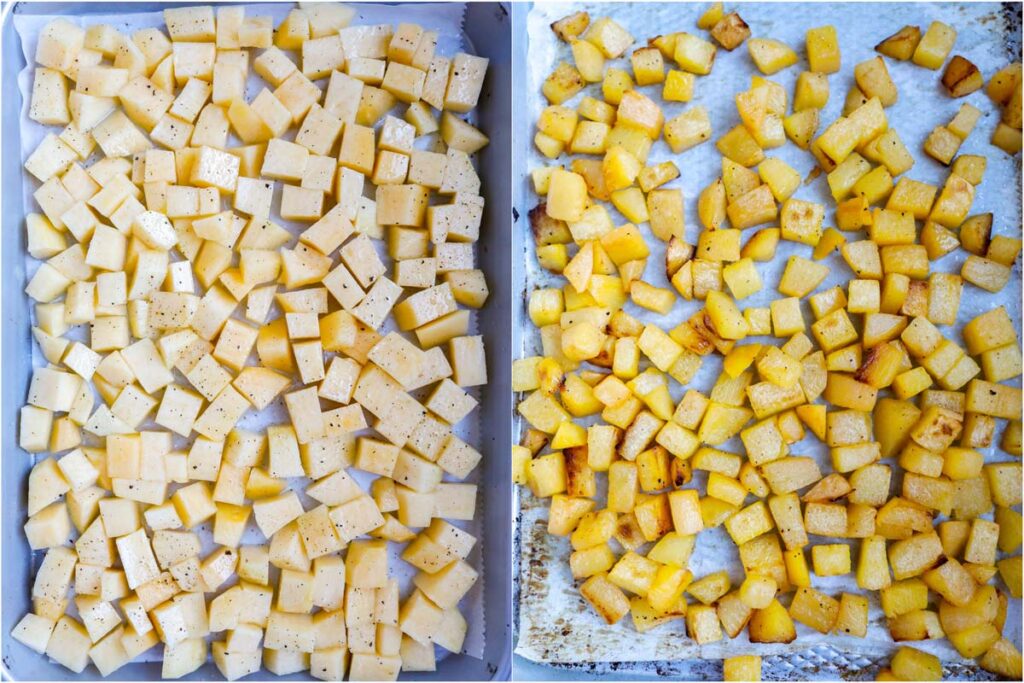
171 303
929 525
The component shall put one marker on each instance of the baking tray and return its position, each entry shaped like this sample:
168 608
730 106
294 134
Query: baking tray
487 32
561 622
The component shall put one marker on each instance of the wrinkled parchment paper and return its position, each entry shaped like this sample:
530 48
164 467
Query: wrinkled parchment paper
555 623
447 20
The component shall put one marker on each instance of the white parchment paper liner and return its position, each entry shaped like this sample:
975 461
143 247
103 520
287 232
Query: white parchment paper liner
447 20
555 623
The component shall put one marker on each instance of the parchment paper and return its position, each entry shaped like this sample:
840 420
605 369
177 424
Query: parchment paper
555 623
447 20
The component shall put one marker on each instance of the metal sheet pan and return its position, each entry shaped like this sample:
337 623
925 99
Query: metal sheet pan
486 31
558 635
